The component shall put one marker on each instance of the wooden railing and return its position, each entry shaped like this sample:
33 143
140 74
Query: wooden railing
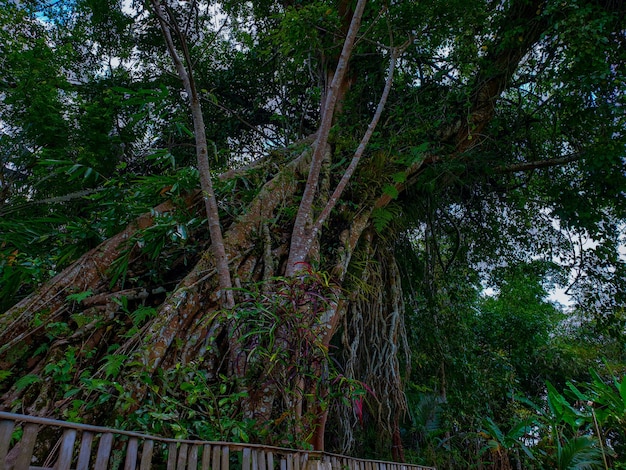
29 442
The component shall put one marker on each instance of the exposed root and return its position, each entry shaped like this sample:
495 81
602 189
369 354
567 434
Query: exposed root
89 272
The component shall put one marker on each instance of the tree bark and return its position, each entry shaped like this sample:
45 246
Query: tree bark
302 237
202 154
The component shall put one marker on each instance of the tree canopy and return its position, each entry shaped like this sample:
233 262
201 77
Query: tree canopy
319 223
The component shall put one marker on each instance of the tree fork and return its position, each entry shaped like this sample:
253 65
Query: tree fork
302 238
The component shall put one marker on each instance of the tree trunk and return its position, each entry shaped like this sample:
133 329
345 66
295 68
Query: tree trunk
168 26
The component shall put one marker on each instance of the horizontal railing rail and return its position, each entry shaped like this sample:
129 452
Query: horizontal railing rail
35 443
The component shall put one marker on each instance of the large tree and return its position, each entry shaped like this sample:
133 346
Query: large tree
339 135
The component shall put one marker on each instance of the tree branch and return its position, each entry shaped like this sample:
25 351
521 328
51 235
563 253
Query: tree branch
185 74
332 202
527 166
301 239
497 71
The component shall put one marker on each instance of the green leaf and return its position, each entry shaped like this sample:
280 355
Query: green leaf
141 314
420 149
71 392
399 177
556 401
26 380
621 386
98 385
381 217
79 297
113 364
579 453
183 129
577 393
391 190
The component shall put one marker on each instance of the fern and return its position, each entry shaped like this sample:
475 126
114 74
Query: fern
382 217
113 364
26 381
142 314
79 297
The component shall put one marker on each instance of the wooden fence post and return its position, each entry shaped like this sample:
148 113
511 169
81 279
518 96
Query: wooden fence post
6 431
317 465
27 445
67 450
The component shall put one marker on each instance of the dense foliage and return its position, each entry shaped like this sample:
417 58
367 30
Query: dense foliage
494 178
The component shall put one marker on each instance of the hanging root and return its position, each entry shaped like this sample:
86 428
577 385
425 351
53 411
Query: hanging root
374 337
